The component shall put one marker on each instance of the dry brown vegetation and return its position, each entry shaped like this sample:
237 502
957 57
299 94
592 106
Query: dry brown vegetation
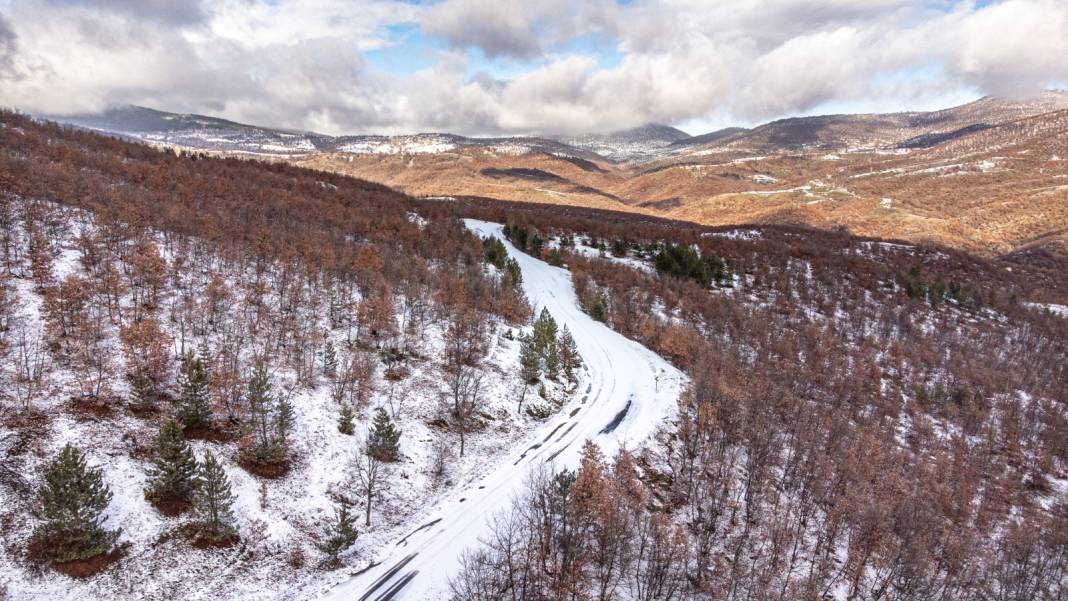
865 421
994 190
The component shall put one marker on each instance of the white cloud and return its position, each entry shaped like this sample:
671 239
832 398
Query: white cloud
302 63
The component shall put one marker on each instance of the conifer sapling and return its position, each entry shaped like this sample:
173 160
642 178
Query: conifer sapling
174 470
214 499
345 421
194 406
340 534
71 508
383 442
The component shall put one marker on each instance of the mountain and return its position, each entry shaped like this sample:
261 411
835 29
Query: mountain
359 352
710 137
634 145
987 176
197 132
844 132
200 132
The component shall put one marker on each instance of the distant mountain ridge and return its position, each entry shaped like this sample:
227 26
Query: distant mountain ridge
647 143
635 144
880 130
990 175
201 132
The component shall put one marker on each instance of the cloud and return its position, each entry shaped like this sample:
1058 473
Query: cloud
171 12
304 63
516 29
8 41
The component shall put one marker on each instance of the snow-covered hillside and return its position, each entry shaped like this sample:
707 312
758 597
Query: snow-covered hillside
227 313
627 393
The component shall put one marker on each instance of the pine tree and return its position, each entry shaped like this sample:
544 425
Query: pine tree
143 391
529 366
344 422
569 355
72 504
260 405
529 361
284 419
174 470
544 331
329 360
551 356
340 534
194 408
513 273
384 440
214 499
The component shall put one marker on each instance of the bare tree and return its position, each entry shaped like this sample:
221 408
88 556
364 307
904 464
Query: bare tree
372 475
28 357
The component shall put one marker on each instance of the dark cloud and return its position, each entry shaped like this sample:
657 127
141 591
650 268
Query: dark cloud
521 30
171 12
8 46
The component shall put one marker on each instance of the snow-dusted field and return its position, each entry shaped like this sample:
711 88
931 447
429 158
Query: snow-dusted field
627 391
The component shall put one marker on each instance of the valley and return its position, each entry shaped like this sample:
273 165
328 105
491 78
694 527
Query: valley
988 176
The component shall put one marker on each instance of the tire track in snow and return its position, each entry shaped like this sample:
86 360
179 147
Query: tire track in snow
620 391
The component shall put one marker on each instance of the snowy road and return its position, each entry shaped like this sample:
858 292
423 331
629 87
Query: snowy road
619 403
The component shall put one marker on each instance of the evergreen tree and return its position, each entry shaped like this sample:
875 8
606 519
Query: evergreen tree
551 357
214 499
514 275
599 308
495 252
260 407
384 440
284 419
194 408
143 391
569 355
529 366
174 470
544 331
344 422
529 361
329 360
340 534
72 504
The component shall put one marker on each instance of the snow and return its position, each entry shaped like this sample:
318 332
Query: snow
418 144
1058 310
291 514
622 377
594 253
746 234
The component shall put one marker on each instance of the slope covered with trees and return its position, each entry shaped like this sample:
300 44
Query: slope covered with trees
224 375
866 420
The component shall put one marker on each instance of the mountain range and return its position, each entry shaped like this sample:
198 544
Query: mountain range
988 176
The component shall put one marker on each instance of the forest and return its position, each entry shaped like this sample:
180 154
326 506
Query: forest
866 420
228 362
279 365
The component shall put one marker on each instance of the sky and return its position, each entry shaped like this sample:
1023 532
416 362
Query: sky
494 67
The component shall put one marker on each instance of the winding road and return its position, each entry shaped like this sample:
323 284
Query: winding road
627 392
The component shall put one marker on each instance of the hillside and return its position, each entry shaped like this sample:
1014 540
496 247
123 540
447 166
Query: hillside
986 176
332 286
303 294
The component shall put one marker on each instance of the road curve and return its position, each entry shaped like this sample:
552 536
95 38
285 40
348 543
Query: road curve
626 393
